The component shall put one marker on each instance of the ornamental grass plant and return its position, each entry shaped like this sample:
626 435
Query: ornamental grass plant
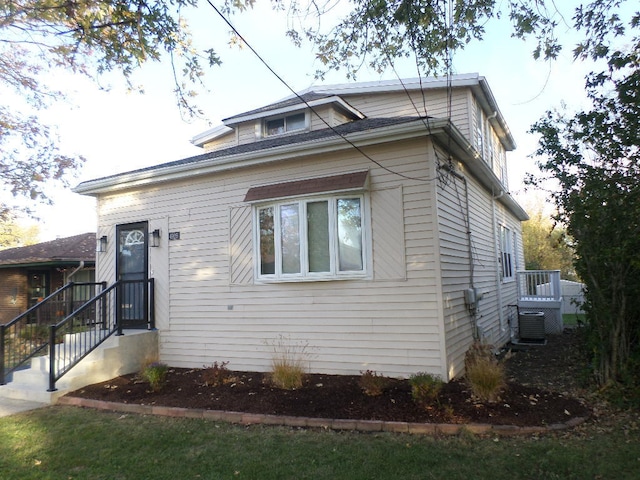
289 361
484 373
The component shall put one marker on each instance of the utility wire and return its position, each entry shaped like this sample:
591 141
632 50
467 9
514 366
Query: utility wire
353 145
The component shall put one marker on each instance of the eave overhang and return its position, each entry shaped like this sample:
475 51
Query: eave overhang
444 133
48 263
210 135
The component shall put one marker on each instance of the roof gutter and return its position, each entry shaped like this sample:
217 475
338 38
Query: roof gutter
39 264
444 133
451 138
206 166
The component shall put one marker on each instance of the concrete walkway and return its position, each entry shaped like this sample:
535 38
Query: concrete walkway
9 406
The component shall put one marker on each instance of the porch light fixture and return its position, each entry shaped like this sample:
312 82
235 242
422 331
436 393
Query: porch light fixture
155 238
101 244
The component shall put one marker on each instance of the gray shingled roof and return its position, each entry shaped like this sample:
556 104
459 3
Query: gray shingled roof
278 141
62 251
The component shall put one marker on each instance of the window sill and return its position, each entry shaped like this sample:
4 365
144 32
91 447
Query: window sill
264 280
265 135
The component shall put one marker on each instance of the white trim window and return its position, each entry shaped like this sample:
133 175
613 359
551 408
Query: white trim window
479 133
285 124
318 238
507 254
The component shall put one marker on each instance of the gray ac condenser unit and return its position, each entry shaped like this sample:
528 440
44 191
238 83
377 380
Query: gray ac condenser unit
531 326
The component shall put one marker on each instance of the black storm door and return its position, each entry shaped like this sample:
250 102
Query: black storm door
131 268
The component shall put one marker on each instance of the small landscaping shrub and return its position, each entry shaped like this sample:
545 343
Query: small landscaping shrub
484 373
156 374
373 384
216 375
288 362
425 388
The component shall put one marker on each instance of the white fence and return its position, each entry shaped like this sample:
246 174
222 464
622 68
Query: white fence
572 296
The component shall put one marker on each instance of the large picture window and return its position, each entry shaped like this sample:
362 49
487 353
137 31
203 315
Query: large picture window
319 238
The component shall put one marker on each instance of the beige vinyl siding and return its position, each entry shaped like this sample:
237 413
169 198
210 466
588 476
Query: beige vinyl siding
248 132
508 289
433 104
390 325
388 234
325 116
225 141
454 270
458 275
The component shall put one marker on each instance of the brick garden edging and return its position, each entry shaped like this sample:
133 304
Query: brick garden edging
326 423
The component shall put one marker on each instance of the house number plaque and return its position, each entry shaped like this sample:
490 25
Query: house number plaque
174 235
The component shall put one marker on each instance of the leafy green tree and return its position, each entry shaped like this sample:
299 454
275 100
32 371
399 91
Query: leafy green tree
547 246
92 37
595 158
376 33
13 234
88 37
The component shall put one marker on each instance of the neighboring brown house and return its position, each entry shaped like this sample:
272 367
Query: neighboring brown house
29 274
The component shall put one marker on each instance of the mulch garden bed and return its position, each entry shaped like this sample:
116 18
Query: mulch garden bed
542 390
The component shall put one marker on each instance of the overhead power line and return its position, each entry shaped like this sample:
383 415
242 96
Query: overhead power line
342 136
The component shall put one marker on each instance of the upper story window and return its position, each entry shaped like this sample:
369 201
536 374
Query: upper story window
311 239
286 124
479 140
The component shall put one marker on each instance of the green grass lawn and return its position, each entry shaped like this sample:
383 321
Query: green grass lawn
71 443
571 319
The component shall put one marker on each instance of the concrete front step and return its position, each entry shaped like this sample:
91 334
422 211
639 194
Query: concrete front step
116 356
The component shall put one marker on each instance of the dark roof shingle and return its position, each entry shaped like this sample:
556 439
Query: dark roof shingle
278 141
70 249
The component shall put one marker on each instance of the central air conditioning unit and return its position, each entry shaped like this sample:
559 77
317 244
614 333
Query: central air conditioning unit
531 326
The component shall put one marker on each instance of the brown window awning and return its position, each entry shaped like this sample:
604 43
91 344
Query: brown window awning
334 183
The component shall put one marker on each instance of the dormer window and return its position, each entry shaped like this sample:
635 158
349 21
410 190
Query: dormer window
286 124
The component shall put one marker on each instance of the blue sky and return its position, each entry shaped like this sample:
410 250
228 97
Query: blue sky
119 131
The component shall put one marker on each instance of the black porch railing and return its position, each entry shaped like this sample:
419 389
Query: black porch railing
81 332
27 335
72 323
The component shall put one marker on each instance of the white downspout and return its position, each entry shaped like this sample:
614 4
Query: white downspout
76 270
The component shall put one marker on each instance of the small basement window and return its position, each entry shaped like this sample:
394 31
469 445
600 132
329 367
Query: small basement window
286 124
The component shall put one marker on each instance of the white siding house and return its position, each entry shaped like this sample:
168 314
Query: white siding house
368 221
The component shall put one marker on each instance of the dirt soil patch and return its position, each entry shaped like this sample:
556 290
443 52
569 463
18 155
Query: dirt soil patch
542 389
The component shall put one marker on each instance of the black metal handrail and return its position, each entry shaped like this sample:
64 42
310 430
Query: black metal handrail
81 332
26 335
